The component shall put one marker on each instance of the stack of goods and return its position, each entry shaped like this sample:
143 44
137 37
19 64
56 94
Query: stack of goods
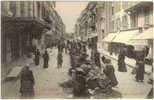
87 79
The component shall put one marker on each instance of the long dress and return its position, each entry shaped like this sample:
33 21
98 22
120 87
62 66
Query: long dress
37 57
140 71
59 60
109 72
27 84
121 63
46 59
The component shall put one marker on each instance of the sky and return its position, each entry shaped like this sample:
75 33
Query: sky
69 12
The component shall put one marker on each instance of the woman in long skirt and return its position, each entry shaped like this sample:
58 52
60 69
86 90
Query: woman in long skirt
140 71
27 83
46 59
121 62
59 59
37 57
109 72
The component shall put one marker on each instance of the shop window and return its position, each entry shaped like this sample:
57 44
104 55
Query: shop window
43 12
22 8
39 8
124 22
13 7
134 20
147 13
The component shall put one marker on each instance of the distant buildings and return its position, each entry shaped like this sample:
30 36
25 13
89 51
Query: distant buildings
128 20
24 24
94 21
115 24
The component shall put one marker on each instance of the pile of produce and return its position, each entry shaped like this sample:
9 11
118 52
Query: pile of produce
86 78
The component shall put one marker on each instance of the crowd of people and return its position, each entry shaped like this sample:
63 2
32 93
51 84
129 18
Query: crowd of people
90 73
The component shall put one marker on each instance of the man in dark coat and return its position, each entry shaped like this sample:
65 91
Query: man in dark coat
37 57
46 59
121 61
27 83
59 59
66 46
109 72
140 71
59 47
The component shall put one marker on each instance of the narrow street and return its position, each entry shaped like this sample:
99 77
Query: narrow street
100 37
47 81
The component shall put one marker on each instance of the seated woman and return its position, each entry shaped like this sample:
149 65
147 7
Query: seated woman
109 71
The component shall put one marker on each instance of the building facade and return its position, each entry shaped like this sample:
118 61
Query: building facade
130 18
94 21
23 23
104 12
129 15
86 23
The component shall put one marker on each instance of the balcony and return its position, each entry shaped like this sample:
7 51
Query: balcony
15 25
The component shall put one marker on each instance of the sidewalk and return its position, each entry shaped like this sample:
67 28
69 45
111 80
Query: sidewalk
130 62
8 68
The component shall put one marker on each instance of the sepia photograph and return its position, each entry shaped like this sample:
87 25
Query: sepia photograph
76 49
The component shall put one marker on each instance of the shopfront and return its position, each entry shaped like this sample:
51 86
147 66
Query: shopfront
17 34
122 40
145 39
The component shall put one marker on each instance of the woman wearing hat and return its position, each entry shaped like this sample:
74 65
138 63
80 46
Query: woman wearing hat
121 61
59 59
46 59
109 71
27 83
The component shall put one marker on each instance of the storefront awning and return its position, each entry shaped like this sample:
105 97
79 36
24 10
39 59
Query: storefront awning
125 36
14 25
109 37
147 34
138 42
